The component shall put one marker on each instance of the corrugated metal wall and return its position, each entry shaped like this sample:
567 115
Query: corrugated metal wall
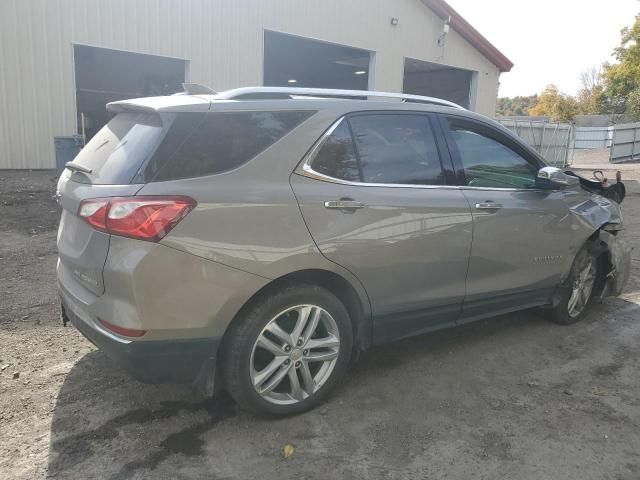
593 137
625 145
222 39
551 140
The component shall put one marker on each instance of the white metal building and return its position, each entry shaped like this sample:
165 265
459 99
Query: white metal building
62 60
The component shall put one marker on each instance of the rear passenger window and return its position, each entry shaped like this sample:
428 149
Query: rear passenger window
397 149
382 148
337 156
222 141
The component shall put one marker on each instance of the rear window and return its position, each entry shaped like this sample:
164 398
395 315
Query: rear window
221 142
118 150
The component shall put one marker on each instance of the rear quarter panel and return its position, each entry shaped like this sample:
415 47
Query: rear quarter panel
170 293
248 218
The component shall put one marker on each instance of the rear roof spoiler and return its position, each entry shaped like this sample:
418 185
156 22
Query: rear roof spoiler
160 104
197 89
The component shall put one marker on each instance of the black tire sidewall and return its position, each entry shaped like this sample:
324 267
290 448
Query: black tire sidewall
244 332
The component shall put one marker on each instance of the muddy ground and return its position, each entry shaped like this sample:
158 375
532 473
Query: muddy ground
511 397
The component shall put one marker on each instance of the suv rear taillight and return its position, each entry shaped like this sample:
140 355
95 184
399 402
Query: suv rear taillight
144 218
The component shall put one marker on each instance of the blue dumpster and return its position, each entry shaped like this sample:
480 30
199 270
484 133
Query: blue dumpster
66 149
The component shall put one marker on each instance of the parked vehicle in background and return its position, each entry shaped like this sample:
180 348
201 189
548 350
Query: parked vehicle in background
252 240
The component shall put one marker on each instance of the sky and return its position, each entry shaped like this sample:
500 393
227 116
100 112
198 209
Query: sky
549 41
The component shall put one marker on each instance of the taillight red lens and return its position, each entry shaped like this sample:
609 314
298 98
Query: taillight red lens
94 212
144 218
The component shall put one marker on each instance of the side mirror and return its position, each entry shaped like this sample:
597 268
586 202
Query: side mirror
553 178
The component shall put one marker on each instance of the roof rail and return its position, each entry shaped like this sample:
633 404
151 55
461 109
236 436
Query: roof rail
257 93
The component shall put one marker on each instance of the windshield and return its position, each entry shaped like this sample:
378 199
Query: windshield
117 151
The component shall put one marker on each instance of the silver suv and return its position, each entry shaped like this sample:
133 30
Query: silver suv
254 239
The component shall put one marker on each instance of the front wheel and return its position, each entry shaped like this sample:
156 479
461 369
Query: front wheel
287 351
579 289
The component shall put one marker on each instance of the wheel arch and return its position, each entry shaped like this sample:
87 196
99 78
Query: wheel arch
603 243
356 302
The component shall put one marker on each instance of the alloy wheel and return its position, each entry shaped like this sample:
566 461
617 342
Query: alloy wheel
295 354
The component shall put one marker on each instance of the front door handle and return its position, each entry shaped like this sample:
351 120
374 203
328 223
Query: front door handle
343 204
488 205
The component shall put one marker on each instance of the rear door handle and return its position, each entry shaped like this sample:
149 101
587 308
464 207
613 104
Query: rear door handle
343 204
488 205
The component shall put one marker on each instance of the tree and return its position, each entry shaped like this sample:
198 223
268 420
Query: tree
519 105
633 104
590 93
552 103
622 80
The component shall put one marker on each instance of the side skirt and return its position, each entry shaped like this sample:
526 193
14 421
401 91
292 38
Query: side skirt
395 326
476 309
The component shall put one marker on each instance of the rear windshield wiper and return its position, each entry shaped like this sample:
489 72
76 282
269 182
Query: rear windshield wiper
76 167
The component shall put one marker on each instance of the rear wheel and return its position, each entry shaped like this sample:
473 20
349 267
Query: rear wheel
580 284
287 351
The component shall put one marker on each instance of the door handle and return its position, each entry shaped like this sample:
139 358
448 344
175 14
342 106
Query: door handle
343 204
488 205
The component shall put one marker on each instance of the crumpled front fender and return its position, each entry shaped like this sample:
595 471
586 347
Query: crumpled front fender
597 211
619 260
601 219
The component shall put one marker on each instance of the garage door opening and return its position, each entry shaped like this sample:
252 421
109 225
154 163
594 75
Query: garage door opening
104 75
291 61
440 81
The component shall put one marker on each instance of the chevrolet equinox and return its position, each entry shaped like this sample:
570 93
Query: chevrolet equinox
254 239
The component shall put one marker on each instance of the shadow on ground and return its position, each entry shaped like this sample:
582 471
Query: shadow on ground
408 408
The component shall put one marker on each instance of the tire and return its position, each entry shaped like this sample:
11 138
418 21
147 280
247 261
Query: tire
251 351
570 309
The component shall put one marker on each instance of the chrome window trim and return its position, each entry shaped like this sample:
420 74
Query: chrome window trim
505 189
308 171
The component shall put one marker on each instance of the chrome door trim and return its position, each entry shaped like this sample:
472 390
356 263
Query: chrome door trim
309 172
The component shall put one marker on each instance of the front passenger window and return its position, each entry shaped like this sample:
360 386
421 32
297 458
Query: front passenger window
489 163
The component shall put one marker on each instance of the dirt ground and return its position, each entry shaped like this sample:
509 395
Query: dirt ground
511 397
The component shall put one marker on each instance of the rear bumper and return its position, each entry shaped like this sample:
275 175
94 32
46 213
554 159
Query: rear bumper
183 302
175 361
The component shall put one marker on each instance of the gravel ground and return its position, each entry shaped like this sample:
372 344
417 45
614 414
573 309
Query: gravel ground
510 397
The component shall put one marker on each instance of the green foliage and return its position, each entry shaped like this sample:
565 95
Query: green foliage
552 103
589 102
515 106
622 80
633 104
